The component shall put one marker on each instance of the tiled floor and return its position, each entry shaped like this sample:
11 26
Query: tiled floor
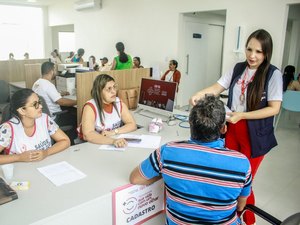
277 183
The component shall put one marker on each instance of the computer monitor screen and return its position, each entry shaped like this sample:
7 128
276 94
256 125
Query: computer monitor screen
157 96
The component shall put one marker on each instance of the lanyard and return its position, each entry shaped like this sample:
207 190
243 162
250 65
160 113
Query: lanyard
244 85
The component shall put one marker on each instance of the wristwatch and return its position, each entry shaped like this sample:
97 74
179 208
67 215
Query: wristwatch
116 131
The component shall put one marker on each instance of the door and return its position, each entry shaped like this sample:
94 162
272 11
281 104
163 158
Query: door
203 58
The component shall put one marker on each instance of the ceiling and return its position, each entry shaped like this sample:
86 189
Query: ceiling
29 2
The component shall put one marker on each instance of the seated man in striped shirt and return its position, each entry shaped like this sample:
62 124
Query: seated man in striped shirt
205 182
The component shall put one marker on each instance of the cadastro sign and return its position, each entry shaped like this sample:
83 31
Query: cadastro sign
135 204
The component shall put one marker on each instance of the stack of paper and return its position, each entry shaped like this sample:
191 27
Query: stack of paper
61 173
147 141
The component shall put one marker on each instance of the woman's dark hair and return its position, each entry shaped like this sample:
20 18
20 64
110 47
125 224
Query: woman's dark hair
207 118
138 59
93 57
174 62
80 52
18 100
57 53
96 92
256 87
123 56
288 76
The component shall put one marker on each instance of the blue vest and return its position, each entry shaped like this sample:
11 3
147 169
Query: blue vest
261 131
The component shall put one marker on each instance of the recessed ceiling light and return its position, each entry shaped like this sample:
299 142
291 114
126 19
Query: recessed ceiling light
32 1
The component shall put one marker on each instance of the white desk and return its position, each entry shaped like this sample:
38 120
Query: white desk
87 201
72 97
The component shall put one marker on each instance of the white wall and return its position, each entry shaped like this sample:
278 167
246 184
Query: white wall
292 45
150 29
47 33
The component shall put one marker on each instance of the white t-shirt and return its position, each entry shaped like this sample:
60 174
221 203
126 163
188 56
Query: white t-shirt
169 76
15 140
111 120
49 92
106 67
274 88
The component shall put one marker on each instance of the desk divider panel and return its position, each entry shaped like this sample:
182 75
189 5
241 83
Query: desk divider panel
124 78
32 74
14 70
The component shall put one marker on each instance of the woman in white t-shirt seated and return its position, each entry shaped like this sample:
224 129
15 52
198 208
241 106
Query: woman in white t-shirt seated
105 115
26 132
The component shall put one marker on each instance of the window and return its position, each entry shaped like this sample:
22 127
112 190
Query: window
21 30
66 41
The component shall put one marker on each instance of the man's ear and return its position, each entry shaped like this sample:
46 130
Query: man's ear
223 129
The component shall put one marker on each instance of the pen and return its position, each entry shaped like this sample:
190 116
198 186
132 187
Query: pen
177 133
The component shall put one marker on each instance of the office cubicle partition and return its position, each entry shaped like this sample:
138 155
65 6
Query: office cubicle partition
124 78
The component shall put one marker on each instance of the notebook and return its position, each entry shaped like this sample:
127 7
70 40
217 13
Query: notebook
7 194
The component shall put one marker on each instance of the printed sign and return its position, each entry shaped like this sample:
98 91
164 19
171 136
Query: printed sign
135 204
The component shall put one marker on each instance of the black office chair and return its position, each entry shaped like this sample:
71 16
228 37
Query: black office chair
4 95
67 128
291 220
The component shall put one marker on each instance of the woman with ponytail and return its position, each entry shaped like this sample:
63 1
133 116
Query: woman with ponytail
26 132
105 115
255 95
122 61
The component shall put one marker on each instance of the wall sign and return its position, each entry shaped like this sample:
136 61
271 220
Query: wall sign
196 35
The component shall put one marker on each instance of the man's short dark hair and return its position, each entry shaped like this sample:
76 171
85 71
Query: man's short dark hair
47 67
207 118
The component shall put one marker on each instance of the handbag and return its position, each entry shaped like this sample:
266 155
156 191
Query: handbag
129 97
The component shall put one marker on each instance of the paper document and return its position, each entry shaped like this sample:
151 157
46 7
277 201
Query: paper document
111 148
147 141
61 173
227 109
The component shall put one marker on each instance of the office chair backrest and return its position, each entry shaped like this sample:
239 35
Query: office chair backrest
291 101
4 91
45 108
5 112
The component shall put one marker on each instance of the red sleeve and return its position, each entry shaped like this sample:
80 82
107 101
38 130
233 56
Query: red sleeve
164 76
177 76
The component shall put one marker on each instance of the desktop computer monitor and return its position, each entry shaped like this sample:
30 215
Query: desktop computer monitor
157 96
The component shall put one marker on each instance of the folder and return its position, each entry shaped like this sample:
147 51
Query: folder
7 194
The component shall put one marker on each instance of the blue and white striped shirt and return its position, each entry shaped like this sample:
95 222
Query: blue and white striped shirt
203 181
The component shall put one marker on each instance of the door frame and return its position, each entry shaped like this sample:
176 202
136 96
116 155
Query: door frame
217 18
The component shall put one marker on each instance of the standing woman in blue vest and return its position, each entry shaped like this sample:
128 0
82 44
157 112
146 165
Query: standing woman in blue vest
255 95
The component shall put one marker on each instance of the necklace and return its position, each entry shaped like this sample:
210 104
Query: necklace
244 85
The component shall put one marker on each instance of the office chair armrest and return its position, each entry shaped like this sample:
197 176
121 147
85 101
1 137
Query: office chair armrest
261 213
59 113
223 96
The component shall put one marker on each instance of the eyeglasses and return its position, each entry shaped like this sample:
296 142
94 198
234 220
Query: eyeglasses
35 104
110 89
